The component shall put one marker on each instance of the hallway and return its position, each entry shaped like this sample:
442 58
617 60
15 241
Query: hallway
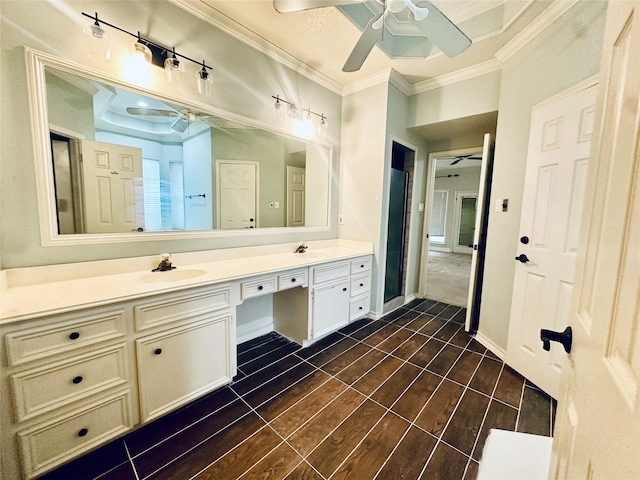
408 396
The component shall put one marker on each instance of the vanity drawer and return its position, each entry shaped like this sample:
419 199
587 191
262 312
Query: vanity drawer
360 284
258 286
292 279
362 264
76 331
42 389
330 271
358 307
171 308
47 445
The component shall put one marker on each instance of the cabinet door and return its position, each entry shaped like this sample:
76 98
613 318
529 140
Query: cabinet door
181 364
330 307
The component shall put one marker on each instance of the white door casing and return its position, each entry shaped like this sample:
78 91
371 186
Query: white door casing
472 310
295 196
237 194
597 432
112 187
553 199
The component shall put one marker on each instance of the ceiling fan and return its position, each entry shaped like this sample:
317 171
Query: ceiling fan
459 158
183 118
431 22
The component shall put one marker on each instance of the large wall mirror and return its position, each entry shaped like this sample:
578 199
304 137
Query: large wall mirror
120 163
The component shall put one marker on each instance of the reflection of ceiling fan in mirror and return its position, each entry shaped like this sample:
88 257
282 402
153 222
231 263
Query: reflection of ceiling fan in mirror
183 118
430 22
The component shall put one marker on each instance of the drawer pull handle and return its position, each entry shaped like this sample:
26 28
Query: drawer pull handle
344 289
157 351
293 280
77 379
260 287
83 432
74 336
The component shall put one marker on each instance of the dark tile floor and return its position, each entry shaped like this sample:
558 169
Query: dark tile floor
408 396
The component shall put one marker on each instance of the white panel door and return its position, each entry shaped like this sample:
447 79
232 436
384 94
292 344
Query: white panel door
597 434
112 187
237 194
553 197
295 196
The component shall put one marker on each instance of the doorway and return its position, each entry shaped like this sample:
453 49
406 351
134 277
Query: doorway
400 180
453 255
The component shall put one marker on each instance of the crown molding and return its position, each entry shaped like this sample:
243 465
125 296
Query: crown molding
398 81
545 19
457 76
381 77
239 32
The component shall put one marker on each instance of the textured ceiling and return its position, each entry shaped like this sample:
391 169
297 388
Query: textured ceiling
323 38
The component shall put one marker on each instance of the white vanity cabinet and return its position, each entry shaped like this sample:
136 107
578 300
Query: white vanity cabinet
66 387
74 381
194 356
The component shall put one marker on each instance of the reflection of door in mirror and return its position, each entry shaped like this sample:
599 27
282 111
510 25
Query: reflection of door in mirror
465 218
237 194
113 196
437 229
295 196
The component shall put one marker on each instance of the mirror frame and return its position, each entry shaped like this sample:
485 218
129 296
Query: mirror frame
36 62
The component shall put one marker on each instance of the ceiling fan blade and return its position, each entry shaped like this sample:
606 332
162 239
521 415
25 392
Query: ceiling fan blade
364 46
286 6
152 111
442 32
456 161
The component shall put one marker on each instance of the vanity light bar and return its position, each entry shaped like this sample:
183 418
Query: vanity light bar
159 53
278 98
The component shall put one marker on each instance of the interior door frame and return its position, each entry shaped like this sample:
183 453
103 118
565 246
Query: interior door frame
257 180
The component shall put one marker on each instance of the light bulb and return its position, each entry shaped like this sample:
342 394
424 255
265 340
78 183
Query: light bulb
278 111
141 55
174 70
204 81
293 112
323 126
98 42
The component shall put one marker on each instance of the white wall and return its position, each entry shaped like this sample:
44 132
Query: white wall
244 80
566 53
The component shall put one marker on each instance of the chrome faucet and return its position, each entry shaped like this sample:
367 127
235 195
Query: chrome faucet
301 248
165 264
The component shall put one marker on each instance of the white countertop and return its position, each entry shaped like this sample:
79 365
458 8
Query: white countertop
38 291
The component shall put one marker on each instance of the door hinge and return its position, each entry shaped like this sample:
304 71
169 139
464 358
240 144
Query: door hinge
475 247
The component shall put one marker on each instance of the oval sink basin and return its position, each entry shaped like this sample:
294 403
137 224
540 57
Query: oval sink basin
172 275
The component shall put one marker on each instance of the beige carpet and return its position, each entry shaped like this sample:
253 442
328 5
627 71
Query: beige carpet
448 277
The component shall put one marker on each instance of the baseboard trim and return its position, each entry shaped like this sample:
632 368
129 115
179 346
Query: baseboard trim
252 333
484 341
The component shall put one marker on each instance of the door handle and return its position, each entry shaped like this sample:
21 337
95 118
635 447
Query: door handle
522 258
565 338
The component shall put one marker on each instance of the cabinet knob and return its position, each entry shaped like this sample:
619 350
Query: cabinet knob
260 287
362 284
293 280
83 432
344 289
77 379
157 351
74 335
359 308
361 266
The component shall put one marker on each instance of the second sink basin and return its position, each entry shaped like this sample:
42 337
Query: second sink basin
172 275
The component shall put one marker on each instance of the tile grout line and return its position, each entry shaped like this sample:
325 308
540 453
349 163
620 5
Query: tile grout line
524 385
484 418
